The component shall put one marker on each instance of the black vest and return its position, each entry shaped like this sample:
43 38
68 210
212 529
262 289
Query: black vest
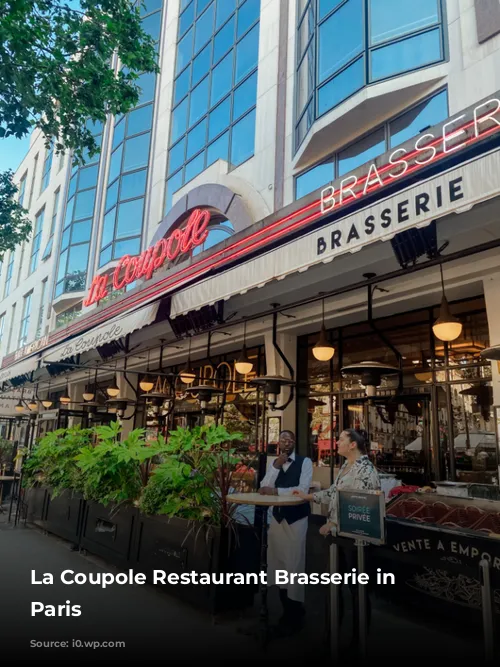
287 480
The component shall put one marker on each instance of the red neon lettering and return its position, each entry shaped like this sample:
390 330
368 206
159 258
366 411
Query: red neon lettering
130 271
175 236
117 283
98 290
200 229
161 253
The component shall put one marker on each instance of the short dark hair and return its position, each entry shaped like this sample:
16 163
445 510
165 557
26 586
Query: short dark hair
359 437
290 433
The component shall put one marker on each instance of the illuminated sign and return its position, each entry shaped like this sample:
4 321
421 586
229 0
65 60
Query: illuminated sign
426 149
130 268
32 347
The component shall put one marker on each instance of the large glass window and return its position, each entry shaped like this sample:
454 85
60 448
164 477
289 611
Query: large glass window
37 239
128 170
55 210
215 89
8 275
25 320
41 310
77 225
47 166
22 189
343 45
416 120
2 326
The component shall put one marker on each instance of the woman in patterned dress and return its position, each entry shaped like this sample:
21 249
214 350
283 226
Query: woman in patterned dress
357 472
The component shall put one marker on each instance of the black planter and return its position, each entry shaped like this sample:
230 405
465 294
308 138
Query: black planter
38 497
64 515
178 546
108 532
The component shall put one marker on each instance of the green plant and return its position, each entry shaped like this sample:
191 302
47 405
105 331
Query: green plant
196 476
6 449
52 462
114 470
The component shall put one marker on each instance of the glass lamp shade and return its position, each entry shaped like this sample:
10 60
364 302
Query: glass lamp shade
32 405
323 350
19 407
112 411
88 396
146 384
113 389
187 375
424 376
47 403
65 399
447 327
244 365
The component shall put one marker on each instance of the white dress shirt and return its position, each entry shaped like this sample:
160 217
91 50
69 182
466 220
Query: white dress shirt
305 476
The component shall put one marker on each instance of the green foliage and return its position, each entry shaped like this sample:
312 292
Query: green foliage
52 461
115 471
15 227
6 449
193 481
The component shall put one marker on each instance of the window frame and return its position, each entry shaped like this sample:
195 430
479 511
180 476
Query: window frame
25 319
37 240
366 53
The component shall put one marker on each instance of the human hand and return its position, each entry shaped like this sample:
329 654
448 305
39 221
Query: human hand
326 529
301 494
280 460
267 491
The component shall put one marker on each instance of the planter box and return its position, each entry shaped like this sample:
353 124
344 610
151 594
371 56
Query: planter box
37 506
64 515
109 534
173 545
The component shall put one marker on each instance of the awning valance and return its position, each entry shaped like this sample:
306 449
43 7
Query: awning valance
416 206
22 368
106 333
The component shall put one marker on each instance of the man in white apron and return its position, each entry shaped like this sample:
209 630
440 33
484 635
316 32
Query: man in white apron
288 528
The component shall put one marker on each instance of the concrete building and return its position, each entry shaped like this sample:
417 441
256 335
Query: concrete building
279 138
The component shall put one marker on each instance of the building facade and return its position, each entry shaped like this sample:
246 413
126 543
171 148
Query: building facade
295 164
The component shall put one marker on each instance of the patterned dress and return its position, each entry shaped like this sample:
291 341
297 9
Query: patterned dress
361 475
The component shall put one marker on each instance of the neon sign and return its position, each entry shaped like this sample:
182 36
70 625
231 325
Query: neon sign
130 268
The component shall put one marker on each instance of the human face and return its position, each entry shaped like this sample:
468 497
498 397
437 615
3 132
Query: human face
286 443
345 446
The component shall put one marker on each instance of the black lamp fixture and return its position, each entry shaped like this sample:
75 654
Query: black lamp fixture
424 371
323 350
447 327
272 385
113 390
244 365
65 398
205 394
187 375
47 401
19 407
89 396
371 373
118 404
491 353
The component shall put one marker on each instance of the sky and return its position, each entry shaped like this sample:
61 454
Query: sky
12 151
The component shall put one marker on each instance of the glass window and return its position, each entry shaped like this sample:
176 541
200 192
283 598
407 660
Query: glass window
408 54
108 229
129 247
201 64
341 87
245 96
136 152
247 15
129 222
151 6
115 164
81 231
343 45
242 141
196 139
152 25
134 185
314 178
219 150
200 6
219 119
247 53
105 256
224 40
84 206
186 18
88 177
177 156
184 51
393 18
173 184
179 120
419 119
140 120
194 167
204 28
362 151
199 101
112 195
224 11
146 82
72 186
222 79
182 85
78 257
65 238
69 212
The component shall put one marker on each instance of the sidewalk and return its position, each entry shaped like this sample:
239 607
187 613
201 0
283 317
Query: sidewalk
156 626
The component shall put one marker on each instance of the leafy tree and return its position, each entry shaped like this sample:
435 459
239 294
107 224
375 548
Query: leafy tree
57 73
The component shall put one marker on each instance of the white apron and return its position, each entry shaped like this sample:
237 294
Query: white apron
287 551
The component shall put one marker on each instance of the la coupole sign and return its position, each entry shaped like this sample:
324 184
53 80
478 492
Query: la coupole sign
130 268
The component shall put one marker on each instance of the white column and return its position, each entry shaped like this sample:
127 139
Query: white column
491 285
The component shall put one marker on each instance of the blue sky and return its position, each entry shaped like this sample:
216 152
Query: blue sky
12 151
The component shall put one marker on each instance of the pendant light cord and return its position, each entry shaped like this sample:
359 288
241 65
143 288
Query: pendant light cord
442 276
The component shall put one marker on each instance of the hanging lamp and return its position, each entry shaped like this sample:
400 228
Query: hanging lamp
65 398
323 350
19 407
244 365
424 373
47 401
188 375
113 390
146 384
447 327
90 395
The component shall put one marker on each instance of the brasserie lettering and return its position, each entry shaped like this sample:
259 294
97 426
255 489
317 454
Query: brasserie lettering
395 213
